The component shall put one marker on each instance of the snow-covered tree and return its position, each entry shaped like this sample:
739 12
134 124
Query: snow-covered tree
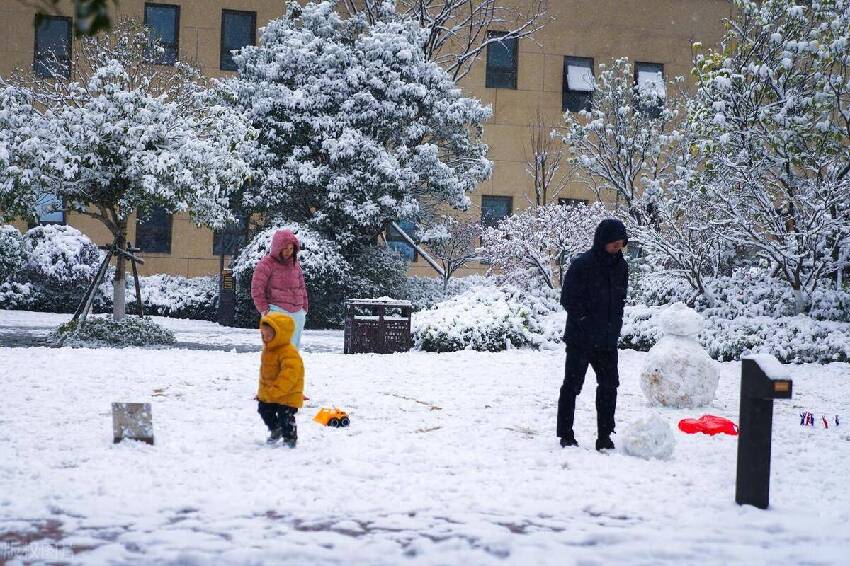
456 31
772 118
618 147
453 243
680 235
120 136
536 246
357 127
544 159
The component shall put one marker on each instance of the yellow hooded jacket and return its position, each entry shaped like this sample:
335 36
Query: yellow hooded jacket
281 368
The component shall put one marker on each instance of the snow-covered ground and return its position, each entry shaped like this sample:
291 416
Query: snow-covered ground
450 458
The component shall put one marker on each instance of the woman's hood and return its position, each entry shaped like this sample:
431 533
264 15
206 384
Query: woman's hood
280 239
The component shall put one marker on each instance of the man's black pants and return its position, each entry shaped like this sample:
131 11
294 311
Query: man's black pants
279 416
604 364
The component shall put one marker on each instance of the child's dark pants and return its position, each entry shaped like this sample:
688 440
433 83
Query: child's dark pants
279 416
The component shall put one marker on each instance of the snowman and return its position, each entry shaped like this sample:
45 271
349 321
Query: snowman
678 372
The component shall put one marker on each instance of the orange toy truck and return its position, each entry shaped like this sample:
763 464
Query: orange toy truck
332 417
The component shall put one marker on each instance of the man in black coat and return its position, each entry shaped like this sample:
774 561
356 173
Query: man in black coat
594 294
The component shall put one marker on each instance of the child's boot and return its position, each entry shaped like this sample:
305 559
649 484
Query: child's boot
276 434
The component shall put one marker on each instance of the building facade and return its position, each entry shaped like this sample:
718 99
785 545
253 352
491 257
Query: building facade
533 80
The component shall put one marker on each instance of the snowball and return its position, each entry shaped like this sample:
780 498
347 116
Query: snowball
649 437
680 320
679 373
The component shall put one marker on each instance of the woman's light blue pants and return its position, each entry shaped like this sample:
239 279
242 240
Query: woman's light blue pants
299 318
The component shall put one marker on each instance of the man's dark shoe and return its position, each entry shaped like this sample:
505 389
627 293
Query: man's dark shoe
568 440
275 435
604 443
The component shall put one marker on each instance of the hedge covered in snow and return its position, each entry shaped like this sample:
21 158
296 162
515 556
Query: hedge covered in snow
169 295
52 271
101 331
748 292
50 267
486 318
792 339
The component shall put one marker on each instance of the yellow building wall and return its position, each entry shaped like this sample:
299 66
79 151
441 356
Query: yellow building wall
656 31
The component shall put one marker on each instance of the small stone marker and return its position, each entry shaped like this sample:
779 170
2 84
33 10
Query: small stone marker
132 421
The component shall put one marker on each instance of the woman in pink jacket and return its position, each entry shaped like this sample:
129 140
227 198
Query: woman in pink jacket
278 282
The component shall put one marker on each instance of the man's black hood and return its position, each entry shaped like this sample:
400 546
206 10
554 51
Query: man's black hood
609 230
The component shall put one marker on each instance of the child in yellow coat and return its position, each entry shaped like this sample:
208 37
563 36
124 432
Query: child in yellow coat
281 391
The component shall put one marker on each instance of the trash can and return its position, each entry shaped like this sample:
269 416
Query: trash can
380 326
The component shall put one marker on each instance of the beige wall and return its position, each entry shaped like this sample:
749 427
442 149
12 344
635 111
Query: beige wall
656 31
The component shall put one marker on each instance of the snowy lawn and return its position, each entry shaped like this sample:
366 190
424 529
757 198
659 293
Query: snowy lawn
449 458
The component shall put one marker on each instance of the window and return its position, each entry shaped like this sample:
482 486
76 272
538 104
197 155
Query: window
572 201
238 29
163 21
501 61
52 54
153 231
494 209
579 84
399 244
48 208
649 77
226 241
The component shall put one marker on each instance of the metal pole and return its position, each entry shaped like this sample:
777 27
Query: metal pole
421 252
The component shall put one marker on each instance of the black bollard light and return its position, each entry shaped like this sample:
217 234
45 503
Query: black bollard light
760 385
226 298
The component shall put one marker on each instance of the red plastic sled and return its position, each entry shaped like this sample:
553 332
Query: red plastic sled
708 424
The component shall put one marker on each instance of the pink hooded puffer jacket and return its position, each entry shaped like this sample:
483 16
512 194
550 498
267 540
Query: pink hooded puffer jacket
277 282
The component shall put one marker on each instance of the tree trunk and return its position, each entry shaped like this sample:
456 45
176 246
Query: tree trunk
799 300
118 292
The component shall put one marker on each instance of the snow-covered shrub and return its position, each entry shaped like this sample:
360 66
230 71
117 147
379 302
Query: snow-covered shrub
325 273
484 318
649 437
11 251
58 265
640 331
792 339
179 297
425 292
16 296
748 292
829 303
172 295
100 331
654 288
